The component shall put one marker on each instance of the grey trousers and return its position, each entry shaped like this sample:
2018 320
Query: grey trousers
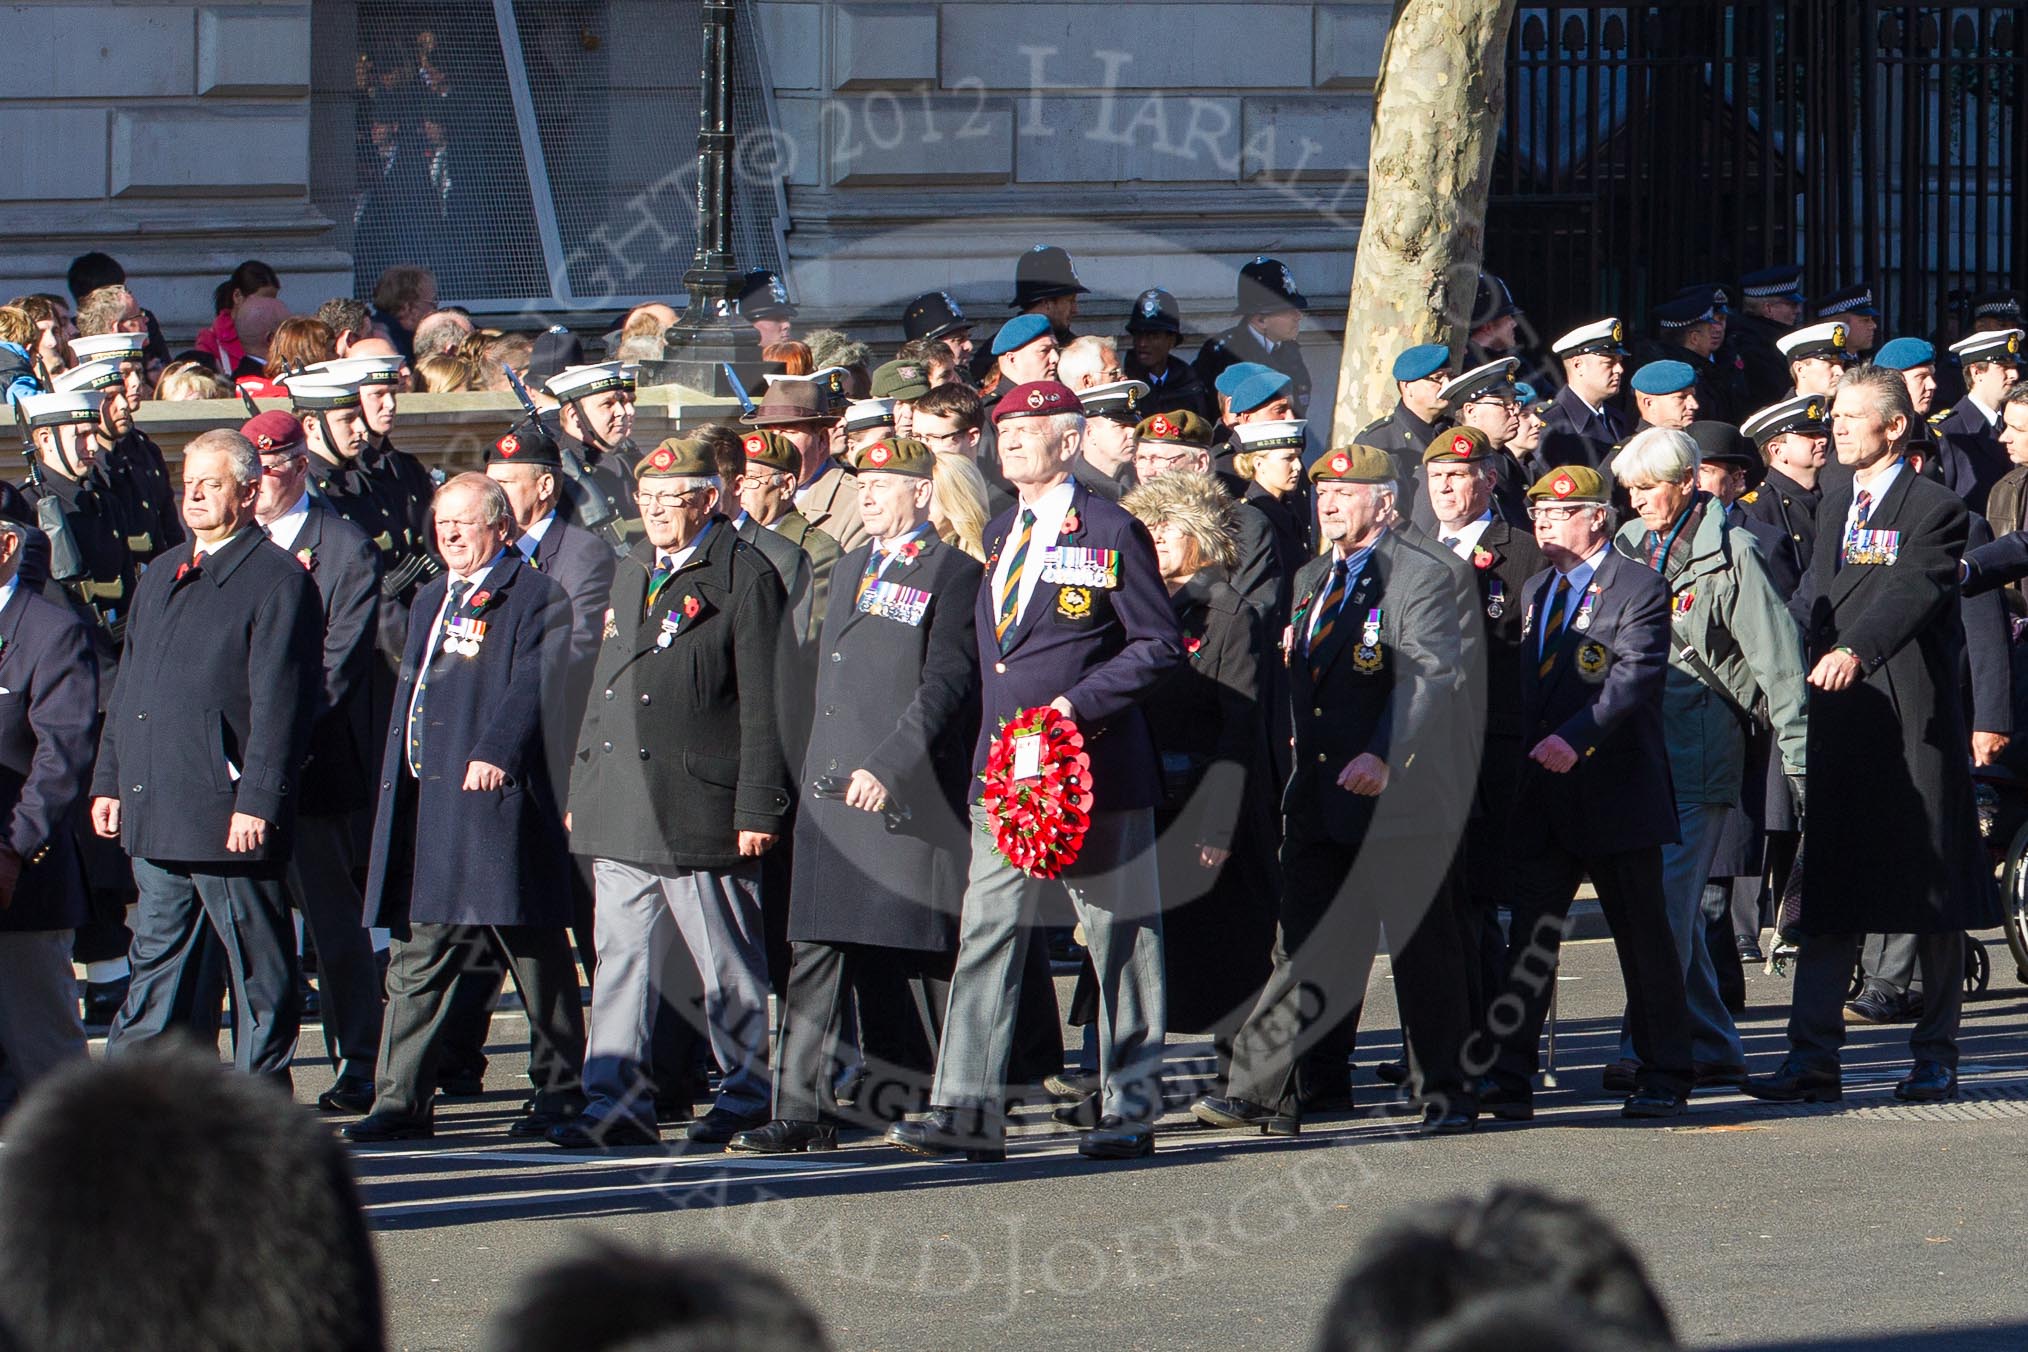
1714 1038
348 979
645 918
1889 962
421 971
1824 974
39 1028
1116 893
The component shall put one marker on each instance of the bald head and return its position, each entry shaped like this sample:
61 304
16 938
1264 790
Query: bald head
257 318
440 331
372 347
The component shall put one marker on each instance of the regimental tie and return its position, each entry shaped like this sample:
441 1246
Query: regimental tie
1862 508
1010 590
1552 626
665 568
876 560
459 591
1328 606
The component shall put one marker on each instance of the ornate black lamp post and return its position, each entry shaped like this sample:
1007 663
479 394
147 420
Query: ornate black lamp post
711 332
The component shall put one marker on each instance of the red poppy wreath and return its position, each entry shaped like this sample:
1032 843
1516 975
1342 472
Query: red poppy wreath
1038 821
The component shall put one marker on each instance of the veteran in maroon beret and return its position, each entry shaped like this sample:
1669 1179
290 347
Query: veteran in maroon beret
1073 615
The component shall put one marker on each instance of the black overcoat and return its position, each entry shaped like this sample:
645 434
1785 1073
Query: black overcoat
339 776
49 707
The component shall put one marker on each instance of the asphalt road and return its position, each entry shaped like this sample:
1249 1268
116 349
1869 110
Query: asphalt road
1865 1225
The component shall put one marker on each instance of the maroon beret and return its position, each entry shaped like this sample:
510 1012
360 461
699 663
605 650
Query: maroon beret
1037 399
274 431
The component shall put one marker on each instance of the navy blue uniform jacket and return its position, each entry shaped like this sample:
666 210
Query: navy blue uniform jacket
1102 648
220 677
1604 697
49 705
346 568
491 858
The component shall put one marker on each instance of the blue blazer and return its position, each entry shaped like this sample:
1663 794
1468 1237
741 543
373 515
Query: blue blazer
1604 697
442 855
49 702
1103 649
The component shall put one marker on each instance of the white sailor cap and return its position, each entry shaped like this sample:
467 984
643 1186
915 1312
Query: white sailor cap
1493 377
1280 435
863 413
1606 335
122 345
1801 413
92 375
366 370
320 389
1994 345
65 406
1119 400
580 382
1818 340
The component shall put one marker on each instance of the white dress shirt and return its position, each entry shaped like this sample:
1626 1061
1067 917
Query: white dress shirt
1579 579
284 529
531 540
478 580
1049 509
1466 536
1877 490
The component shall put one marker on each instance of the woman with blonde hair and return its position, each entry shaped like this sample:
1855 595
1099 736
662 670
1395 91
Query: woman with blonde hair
192 380
449 373
958 511
1215 825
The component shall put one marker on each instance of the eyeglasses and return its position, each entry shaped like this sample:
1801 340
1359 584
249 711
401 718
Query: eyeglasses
1167 461
1560 513
279 466
668 501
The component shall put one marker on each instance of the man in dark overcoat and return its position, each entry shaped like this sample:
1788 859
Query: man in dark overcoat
468 854
199 761
678 789
1377 653
1892 828
876 892
48 710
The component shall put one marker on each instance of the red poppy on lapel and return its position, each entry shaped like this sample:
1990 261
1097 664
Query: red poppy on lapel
690 607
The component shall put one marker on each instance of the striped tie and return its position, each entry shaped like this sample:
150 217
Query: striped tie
665 568
874 562
1552 627
1010 589
458 591
1328 607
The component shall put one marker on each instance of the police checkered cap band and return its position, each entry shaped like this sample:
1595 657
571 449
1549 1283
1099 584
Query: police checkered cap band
1862 301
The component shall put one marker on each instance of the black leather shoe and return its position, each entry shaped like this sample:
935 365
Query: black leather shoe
1714 1074
102 1000
1928 1082
536 1124
1115 1138
1391 1072
462 1084
720 1125
1071 1084
352 1094
783 1137
1506 1102
1083 1114
1749 950
1213 1111
1447 1122
1652 1103
584 1132
1874 1005
1621 1076
1796 1084
946 1131
376 1128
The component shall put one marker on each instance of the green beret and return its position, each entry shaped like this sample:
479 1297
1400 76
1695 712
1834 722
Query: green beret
677 458
1353 464
771 450
896 455
1458 445
902 380
1182 426
1578 485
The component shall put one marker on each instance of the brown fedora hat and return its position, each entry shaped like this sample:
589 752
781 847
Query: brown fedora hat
788 402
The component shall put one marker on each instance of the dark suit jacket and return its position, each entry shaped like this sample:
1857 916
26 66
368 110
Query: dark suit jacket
583 565
1397 698
1603 697
48 710
442 855
1240 343
897 695
1792 510
1967 433
339 776
681 746
1402 435
1577 436
222 670
1512 559
1901 852
1102 648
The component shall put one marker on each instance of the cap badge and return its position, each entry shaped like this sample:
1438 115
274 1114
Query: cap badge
1160 426
1619 333
1813 411
951 305
753 444
1341 463
1036 398
1563 485
1837 335
662 459
1461 445
1151 306
509 444
265 442
879 455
